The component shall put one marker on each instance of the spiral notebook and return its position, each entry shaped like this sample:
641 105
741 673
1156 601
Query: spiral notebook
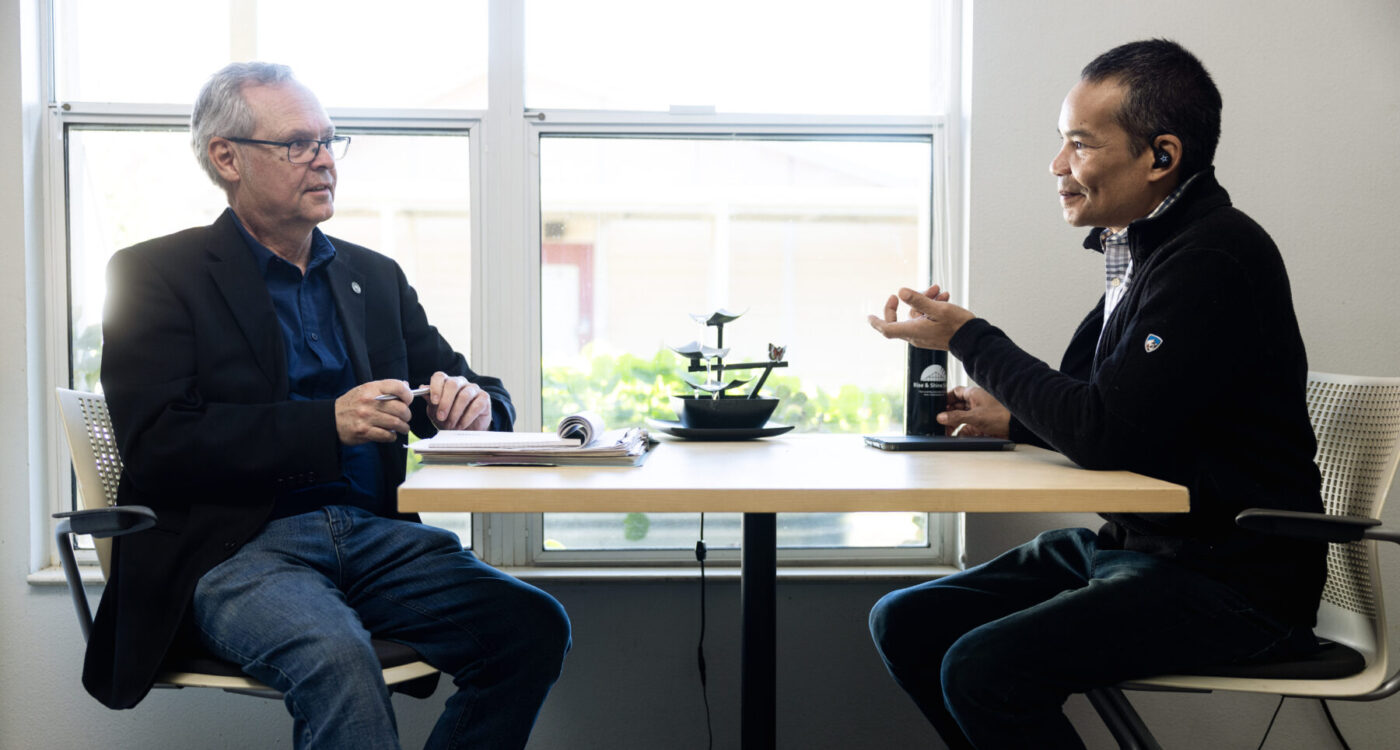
580 440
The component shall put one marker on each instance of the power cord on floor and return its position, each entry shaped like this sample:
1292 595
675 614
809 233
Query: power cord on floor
1270 728
1333 723
700 553
1326 710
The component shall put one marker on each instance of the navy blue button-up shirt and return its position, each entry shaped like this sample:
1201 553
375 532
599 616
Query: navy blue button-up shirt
318 367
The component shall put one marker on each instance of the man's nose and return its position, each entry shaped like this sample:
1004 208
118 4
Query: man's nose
1059 166
323 158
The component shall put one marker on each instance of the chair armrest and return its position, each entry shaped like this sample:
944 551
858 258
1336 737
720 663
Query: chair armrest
111 521
1325 528
1318 527
100 523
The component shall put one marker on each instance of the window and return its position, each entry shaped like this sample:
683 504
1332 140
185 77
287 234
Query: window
783 181
798 235
129 184
121 52
737 56
128 174
536 182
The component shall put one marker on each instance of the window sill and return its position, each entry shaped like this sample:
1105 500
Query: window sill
691 572
53 576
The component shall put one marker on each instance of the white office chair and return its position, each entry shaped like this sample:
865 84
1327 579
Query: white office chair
1357 423
98 468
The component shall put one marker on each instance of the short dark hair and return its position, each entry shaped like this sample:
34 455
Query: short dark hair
1168 92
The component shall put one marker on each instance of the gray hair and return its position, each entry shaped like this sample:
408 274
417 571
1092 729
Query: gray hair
222 111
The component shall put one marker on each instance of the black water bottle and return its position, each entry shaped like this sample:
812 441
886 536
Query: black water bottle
927 391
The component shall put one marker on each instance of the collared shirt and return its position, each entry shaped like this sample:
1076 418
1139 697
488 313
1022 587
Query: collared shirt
1118 257
318 367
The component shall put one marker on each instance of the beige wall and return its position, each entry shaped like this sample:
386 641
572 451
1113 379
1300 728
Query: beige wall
1312 109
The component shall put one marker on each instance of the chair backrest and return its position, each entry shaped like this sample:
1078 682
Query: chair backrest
93 448
1357 423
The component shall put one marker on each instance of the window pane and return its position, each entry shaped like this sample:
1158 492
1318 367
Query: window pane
352 53
404 195
124 186
643 531
408 197
805 237
774 56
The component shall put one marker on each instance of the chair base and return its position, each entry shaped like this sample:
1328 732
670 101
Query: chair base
1122 719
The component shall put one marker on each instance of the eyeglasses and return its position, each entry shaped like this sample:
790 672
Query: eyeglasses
305 151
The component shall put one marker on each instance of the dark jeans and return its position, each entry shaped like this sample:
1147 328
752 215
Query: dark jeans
295 608
990 654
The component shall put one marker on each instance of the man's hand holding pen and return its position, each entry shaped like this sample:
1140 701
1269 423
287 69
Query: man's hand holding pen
363 415
456 404
378 411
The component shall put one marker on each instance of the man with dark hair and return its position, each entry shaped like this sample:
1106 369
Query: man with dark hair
257 372
1194 290
1167 90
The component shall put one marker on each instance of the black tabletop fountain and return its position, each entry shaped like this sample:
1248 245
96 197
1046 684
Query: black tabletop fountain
717 408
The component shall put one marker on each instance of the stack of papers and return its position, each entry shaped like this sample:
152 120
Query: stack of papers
581 440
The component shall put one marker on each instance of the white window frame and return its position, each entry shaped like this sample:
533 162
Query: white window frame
516 539
61 117
505 242
915 129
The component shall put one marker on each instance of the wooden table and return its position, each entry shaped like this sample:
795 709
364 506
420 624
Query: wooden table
789 474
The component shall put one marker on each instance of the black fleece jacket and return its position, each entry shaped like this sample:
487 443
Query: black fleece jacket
1199 380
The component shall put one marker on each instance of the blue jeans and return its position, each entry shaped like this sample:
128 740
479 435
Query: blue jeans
295 608
990 654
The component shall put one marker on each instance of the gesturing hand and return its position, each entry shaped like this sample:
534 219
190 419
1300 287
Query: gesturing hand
932 322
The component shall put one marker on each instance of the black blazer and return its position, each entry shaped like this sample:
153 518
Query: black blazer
195 373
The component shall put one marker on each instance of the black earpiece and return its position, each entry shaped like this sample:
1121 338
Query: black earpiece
1160 158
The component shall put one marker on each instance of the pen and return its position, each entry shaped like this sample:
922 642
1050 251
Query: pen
423 391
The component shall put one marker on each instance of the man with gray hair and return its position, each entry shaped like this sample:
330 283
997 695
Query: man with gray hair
245 365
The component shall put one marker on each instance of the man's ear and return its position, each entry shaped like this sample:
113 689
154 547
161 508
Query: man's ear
1166 157
225 160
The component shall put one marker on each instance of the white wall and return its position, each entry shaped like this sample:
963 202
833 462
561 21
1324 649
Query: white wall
1309 149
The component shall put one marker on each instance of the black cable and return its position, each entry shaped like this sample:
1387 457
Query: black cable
1269 728
700 553
1333 723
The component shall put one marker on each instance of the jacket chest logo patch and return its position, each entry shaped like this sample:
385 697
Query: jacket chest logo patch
1152 343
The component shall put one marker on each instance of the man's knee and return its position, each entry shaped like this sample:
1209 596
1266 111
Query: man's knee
554 631
915 620
973 672
991 668
887 621
545 634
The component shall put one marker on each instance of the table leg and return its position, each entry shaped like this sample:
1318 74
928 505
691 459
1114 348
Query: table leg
758 656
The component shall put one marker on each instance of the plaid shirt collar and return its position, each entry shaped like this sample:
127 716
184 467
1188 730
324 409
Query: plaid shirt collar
1117 257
